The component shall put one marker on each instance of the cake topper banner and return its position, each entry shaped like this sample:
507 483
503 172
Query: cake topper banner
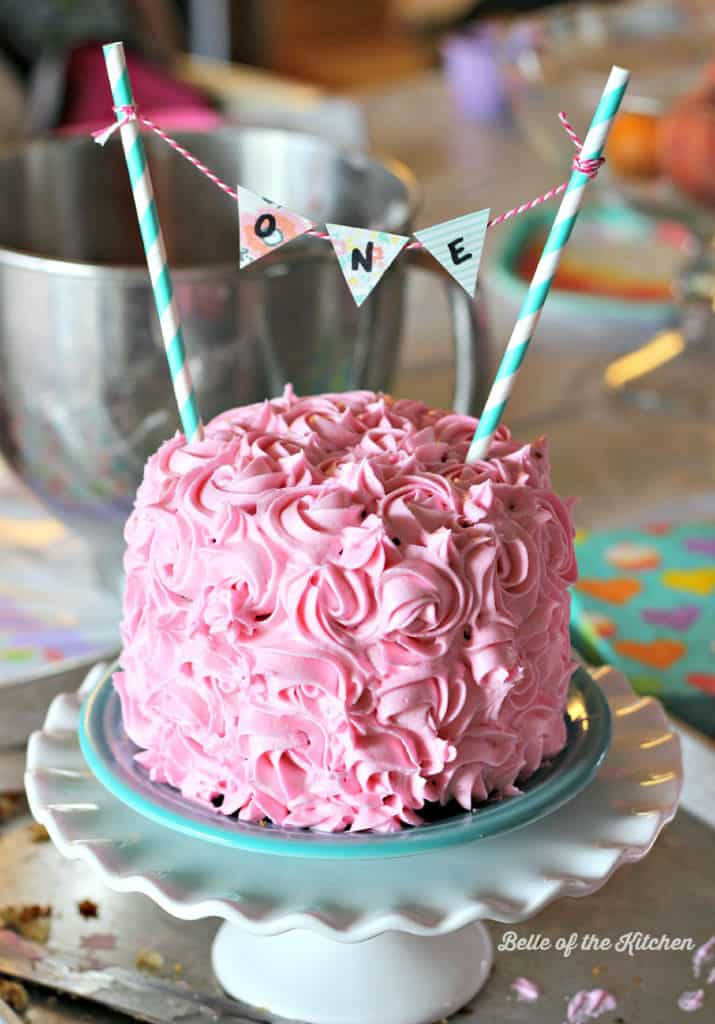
364 254
265 226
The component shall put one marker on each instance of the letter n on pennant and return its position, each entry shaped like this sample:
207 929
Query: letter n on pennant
364 256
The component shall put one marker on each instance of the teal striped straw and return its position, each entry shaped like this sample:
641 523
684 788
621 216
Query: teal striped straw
548 264
153 240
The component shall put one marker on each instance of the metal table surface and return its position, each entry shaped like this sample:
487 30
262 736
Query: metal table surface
670 892
636 465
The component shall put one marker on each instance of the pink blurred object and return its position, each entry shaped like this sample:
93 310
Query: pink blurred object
88 104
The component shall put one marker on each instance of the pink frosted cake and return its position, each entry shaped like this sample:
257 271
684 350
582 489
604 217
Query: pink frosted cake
331 621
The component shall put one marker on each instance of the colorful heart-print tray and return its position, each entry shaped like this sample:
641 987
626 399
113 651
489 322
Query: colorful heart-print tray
645 602
53 611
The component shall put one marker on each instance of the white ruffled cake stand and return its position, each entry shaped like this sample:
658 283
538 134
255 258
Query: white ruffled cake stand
364 940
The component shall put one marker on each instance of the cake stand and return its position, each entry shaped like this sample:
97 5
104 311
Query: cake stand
393 938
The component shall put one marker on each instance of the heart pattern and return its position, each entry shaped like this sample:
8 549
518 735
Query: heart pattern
704 681
600 624
681 618
649 685
658 529
646 604
615 591
633 557
694 581
701 545
656 654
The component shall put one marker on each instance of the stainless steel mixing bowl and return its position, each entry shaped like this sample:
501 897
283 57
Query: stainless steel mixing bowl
84 389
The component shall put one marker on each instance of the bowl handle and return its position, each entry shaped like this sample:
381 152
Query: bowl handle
469 335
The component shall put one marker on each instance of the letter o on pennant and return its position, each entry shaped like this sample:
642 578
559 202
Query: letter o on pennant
265 225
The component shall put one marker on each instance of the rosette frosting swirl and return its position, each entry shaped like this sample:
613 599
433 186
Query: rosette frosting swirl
330 619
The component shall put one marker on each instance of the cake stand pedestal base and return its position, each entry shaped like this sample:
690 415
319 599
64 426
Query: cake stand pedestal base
395 976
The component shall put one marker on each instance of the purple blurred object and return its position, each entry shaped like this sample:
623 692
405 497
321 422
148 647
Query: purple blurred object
472 62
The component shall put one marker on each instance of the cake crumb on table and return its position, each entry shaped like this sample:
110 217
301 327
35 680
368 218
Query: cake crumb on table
525 990
588 1004
32 921
38 833
88 908
14 994
691 1001
149 960
9 806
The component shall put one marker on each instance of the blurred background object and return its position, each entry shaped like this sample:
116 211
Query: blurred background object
12 101
659 162
41 40
614 290
338 46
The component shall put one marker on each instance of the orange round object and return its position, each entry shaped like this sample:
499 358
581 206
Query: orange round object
632 147
686 142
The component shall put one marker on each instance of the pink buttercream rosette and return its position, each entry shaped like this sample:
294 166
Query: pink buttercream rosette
330 619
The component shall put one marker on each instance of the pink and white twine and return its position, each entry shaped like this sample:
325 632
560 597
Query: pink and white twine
131 113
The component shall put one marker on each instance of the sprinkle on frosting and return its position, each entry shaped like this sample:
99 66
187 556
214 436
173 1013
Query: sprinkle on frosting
330 618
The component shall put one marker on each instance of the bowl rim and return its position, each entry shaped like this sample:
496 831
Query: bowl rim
26 259
502 275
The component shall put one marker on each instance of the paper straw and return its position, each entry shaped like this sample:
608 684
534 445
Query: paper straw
548 264
153 240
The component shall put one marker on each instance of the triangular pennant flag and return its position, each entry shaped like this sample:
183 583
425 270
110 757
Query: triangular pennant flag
457 245
364 256
264 226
